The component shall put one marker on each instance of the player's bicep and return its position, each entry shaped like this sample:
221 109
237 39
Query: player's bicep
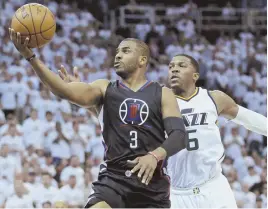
226 106
170 107
87 95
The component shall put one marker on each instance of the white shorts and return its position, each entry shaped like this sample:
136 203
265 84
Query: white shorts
215 193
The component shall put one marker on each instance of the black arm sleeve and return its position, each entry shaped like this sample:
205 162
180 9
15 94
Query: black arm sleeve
177 136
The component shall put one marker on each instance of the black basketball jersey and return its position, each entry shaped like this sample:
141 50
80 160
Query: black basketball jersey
132 122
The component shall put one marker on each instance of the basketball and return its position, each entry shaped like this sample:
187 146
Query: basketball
36 22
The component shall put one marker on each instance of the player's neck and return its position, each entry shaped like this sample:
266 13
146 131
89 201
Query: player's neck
135 82
186 93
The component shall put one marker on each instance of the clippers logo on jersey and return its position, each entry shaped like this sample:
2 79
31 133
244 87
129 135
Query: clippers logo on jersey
133 111
193 119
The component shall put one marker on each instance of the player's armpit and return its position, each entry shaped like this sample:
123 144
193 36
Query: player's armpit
229 109
226 106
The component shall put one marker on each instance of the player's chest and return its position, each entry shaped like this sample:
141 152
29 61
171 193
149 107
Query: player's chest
197 115
133 107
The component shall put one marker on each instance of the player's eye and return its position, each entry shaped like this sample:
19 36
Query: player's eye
182 65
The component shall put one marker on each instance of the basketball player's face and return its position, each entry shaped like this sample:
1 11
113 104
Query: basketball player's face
126 59
181 72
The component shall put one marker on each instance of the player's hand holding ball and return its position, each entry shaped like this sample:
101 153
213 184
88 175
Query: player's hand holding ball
146 166
32 26
20 46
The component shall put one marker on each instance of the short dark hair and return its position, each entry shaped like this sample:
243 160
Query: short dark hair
142 47
193 61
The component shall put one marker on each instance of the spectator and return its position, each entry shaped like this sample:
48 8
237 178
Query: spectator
21 198
73 169
46 192
74 196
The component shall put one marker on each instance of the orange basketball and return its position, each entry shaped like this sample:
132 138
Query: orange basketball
35 21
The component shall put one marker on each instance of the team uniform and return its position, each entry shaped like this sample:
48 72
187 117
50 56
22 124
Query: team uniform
132 127
195 172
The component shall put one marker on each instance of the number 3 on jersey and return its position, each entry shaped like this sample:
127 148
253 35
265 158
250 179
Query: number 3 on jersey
192 143
133 139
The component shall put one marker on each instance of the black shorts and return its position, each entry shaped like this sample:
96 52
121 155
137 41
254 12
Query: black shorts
120 191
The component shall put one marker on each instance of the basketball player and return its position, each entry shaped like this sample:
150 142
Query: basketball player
136 114
195 172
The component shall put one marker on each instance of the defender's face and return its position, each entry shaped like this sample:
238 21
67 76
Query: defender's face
126 59
180 72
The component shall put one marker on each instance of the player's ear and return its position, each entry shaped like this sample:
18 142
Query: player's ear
143 60
196 76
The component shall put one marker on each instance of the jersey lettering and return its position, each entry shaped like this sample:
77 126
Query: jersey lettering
193 119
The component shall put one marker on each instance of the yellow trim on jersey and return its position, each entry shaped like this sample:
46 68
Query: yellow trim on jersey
190 97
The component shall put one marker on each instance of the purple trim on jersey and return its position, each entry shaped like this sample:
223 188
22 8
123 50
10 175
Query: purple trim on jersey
213 101
140 89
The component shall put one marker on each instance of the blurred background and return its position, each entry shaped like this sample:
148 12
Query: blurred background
50 150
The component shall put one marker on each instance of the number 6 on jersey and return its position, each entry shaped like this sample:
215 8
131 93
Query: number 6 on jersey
133 137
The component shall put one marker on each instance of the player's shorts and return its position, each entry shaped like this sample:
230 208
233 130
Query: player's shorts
120 189
216 193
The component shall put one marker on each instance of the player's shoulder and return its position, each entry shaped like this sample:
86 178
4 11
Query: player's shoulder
216 94
100 82
167 92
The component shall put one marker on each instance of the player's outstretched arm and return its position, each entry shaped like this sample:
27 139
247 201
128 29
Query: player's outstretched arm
82 94
227 107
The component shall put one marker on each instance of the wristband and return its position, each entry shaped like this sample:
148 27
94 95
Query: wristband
151 153
30 58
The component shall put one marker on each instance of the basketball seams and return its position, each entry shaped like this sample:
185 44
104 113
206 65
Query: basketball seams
24 26
34 26
42 24
32 34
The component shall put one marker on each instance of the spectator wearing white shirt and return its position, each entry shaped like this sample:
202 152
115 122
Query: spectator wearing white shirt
73 196
8 166
46 192
31 184
22 92
233 144
95 148
49 124
14 142
59 144
48 166
11 120
73 169
252 177
249 198
66 122
44 104
21 198
8 92
33 130
78 142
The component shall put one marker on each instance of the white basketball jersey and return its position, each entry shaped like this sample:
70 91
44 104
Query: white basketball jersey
202 158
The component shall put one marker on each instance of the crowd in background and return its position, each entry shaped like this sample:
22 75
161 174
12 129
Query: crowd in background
50 150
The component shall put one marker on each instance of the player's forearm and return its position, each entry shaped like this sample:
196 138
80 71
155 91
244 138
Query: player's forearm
55 84
176 140
251 120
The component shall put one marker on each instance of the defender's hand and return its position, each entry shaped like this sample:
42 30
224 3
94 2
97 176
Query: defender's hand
20 46
67 77
146 166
